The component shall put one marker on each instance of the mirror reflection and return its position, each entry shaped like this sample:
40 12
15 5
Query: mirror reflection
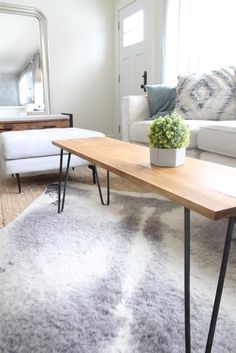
21 83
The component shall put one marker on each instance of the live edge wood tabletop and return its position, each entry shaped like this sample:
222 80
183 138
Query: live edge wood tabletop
206 188
27 124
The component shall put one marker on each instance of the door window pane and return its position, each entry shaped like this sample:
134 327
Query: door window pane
133 29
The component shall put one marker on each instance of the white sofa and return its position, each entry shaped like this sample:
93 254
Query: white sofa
210 140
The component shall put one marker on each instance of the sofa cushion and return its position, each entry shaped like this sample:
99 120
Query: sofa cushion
210 96
139 131
161 99
38 143
218 138
218 158
194 126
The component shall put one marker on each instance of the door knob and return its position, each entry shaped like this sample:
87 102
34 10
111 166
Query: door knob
144 81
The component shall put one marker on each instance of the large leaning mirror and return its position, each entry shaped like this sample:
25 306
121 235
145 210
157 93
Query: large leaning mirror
24 61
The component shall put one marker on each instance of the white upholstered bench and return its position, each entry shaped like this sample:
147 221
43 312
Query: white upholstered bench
31 151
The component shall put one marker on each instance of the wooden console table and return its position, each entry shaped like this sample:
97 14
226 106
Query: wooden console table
206 188
35 122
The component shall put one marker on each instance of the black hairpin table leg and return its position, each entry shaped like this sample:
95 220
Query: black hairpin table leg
99 187
93 172
65 182
60 181
61 205
187 280
220 284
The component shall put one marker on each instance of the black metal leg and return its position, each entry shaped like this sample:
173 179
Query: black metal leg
187 280
220 284
99 187
18 182
60 181
65 182
93 171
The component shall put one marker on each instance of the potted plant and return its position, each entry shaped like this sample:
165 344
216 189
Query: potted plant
168 137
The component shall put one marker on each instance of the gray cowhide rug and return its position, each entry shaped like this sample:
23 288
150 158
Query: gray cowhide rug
101 279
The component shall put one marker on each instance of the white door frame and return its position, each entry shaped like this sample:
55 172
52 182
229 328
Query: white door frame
155 10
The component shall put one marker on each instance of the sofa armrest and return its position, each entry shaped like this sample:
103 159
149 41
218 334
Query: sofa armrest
133 108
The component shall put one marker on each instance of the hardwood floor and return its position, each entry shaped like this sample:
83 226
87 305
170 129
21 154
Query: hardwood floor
12 203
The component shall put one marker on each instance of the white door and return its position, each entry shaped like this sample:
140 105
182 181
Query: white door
132 48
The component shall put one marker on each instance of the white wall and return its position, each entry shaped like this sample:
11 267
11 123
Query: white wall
81 37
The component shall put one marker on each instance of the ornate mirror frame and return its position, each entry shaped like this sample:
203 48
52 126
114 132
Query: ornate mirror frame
44 48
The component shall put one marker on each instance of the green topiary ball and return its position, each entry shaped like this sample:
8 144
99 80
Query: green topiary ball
169 131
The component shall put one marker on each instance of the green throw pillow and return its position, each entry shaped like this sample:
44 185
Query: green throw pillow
161 98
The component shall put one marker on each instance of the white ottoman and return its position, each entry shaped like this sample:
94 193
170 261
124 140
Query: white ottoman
31 151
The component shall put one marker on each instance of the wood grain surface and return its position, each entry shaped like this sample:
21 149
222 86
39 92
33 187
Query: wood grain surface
204 187
32 125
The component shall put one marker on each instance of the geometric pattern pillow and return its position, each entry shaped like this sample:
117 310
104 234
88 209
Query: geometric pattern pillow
209 96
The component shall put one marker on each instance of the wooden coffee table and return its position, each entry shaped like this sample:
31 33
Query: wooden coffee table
206 188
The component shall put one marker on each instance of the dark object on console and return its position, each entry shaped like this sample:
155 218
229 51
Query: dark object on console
70 117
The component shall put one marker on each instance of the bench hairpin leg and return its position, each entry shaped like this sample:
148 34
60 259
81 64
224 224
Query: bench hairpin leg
18 182
220 284
99 187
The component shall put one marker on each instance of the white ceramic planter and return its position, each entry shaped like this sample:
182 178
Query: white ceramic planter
167 157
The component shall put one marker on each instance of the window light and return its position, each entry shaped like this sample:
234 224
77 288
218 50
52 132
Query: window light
133 29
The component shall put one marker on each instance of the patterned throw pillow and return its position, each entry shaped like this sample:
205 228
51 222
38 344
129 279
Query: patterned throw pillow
210 96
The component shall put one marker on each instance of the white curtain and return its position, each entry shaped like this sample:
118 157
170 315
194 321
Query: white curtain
199 36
